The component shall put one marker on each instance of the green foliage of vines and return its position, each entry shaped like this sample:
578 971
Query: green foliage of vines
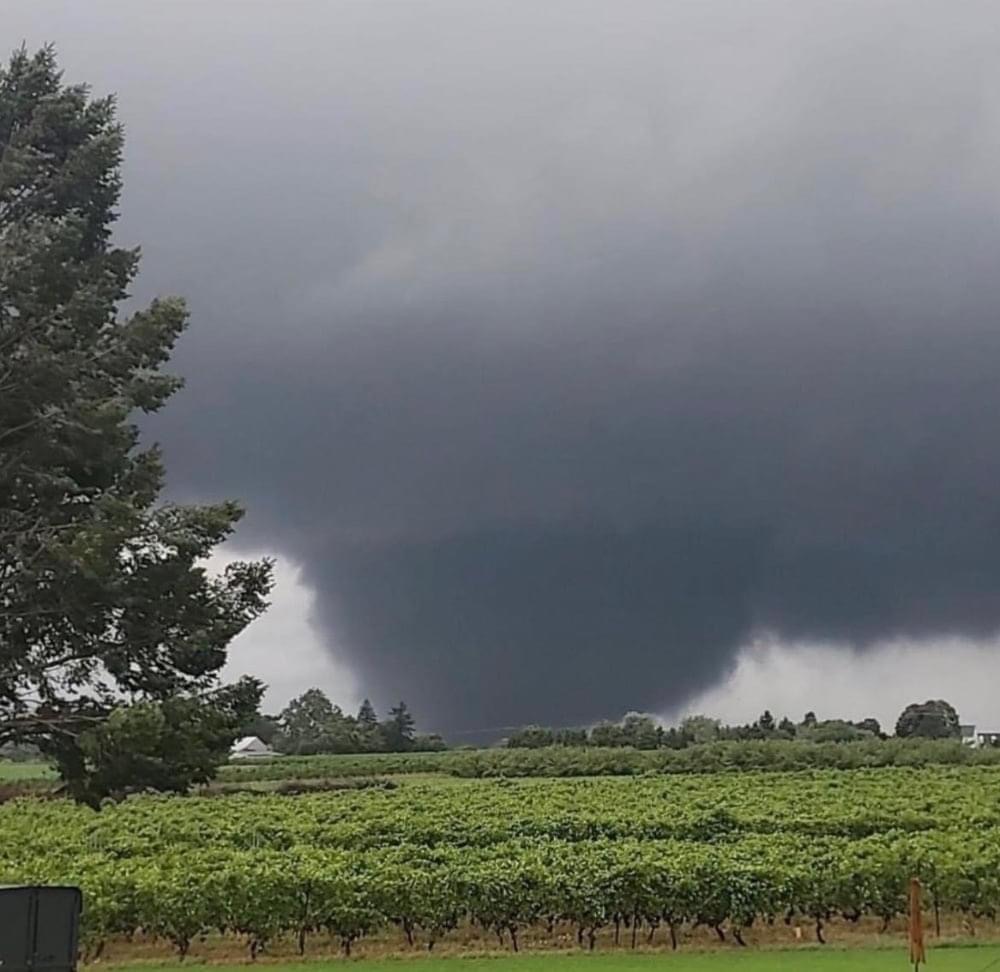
567 761
723 852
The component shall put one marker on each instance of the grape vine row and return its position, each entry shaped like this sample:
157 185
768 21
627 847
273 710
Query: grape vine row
646 854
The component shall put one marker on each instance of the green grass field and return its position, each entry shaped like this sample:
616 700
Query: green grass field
16 772
960 959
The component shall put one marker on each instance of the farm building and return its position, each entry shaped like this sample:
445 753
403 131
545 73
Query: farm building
972 737
250 747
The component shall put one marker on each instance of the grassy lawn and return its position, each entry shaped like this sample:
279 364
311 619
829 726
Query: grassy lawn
15 772
958 959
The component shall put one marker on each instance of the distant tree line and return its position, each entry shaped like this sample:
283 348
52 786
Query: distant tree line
312 724
934 719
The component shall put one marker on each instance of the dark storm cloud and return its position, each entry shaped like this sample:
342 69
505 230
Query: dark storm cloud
568 347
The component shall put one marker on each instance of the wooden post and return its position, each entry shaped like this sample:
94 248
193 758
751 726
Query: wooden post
917 953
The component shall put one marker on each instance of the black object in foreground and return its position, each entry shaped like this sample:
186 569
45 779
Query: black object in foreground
39 928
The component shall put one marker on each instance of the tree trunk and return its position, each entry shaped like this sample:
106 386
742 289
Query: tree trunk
738 935
635 928
513 937
720 933
819 931
673 937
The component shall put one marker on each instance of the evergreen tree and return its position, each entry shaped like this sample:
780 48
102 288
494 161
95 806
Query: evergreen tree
371 734
367 718
398 729
103 594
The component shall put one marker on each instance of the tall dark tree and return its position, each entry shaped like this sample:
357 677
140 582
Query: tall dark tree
104 597
933 719
398 729
371 734
367 718
766 721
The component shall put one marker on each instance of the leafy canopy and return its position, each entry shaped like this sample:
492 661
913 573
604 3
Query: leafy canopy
312 724
104 597
933 719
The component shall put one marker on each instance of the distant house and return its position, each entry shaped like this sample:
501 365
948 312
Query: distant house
250 747
970 737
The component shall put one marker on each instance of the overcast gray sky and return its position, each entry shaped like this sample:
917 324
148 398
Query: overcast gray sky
581 356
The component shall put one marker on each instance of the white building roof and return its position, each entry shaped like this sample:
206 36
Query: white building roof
249 744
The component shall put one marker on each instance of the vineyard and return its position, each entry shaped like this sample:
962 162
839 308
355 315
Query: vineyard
560 761
646 856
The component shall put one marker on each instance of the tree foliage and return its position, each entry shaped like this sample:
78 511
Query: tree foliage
104 597
646 732
311 724
166 746
398 730
933 719
367 717
700 728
